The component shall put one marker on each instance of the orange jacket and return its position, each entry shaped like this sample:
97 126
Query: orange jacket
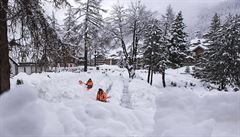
102 96
89 83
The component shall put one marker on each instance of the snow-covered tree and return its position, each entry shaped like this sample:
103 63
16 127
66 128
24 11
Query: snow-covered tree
220 63
152 42
168 20
214 28
137 16
125 23
117 27
166 25
72 36
178 42
28 17
92 21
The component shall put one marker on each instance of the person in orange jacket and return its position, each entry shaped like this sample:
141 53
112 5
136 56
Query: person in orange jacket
102 96
89 84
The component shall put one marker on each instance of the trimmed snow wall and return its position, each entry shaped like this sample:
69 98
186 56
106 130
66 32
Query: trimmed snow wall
185 114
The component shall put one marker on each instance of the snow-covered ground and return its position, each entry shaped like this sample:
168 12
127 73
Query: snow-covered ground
54 104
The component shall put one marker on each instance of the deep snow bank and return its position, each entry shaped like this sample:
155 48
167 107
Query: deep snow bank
21 113
184 113
54 104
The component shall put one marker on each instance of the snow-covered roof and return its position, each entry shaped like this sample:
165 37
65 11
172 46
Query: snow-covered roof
192 48
198 43
114 53
197 40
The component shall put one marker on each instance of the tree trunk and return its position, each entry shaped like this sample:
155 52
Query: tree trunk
85 53
86 39
95 58
4 57
222 86
149 72
163 79
151 81
134 46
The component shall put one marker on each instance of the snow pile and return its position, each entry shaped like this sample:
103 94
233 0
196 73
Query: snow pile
21 113
184 113
55 104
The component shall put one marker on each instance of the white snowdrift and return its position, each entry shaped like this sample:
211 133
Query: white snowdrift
182 113
54 104
21 113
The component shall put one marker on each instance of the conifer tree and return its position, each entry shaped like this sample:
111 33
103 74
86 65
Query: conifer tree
206 64
214 28
92 21
152 44
178 43
220 64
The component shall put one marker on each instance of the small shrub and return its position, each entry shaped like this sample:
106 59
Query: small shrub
193 85
236 89
173 84
19 82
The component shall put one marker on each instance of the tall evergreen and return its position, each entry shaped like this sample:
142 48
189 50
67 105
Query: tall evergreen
220 63
206 64
168 20
92 20
152 44
178 42
72 36
214 28
166 25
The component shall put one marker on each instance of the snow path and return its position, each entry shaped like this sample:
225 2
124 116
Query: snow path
126 96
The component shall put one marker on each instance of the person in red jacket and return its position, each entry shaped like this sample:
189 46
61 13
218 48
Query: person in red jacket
102 96
89 84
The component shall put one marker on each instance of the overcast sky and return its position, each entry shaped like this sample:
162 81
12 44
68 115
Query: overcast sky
190 8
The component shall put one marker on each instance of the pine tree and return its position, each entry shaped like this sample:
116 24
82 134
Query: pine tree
72 37
166 25
229 53
206 64
178 43
214 28
220 64
90 11
152 44
168 20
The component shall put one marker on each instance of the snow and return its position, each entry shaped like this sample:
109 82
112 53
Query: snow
196 42
196 115
54 104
